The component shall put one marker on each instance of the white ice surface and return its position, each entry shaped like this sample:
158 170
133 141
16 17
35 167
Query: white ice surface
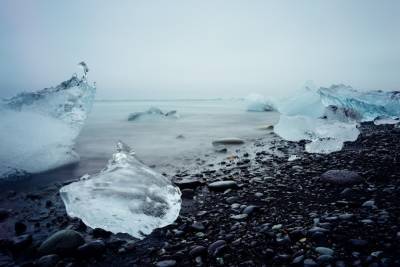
38 129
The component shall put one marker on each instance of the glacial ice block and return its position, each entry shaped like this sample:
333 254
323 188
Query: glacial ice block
125 197
369 104
328 117
38 129
326 136
259 103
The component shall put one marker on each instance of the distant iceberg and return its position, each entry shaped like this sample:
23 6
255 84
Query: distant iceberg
38 129
328 117
259 103
126 197
152 113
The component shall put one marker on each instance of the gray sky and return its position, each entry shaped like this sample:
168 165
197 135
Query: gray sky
199 49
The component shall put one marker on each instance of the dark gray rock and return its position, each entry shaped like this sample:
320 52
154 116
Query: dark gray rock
341 177
309 263
19 228
228 141
197 251
62 242
324 251
92 249
216 248
22 241
187 193
222 185
249 209
48 261
4 214
188 183
166 263
323 259
198 226
358 243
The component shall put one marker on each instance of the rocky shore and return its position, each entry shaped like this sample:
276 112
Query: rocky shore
340 209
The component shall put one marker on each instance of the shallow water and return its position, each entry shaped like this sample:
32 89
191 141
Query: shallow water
155 138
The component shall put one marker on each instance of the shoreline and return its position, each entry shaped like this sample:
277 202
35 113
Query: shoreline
279 214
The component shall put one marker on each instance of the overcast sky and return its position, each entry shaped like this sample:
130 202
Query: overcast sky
199 49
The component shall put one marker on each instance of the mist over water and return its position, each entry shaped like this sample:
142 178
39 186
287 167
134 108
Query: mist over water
154 138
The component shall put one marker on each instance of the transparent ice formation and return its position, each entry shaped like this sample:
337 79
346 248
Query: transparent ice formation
258 103
125 197
38 129
328 117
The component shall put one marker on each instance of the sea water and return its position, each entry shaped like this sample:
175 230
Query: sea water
166 144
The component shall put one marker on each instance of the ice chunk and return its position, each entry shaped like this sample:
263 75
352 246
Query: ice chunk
305 102
370 104
259 103
152 113
38 129
328 117
126 197
326 136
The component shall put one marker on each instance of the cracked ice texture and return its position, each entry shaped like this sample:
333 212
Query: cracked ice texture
126 197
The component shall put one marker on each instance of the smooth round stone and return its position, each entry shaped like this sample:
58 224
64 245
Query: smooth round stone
249 209
215 248
197 251
309 263
223 185
93 248
228 141
48 261
324 251
166 263
324 258
341 177
61 242
239 217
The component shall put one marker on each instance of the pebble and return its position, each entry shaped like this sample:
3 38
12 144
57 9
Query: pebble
324 251
216 248
197 251
222 185
341 177
239 217
249 209
48 261
92 248
62 242
166 263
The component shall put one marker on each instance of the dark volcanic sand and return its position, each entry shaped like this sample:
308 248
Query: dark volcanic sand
290 215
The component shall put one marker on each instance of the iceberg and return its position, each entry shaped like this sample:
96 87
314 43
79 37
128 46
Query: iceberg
153 113
369 104
259 103
125 197
328 117
38 129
